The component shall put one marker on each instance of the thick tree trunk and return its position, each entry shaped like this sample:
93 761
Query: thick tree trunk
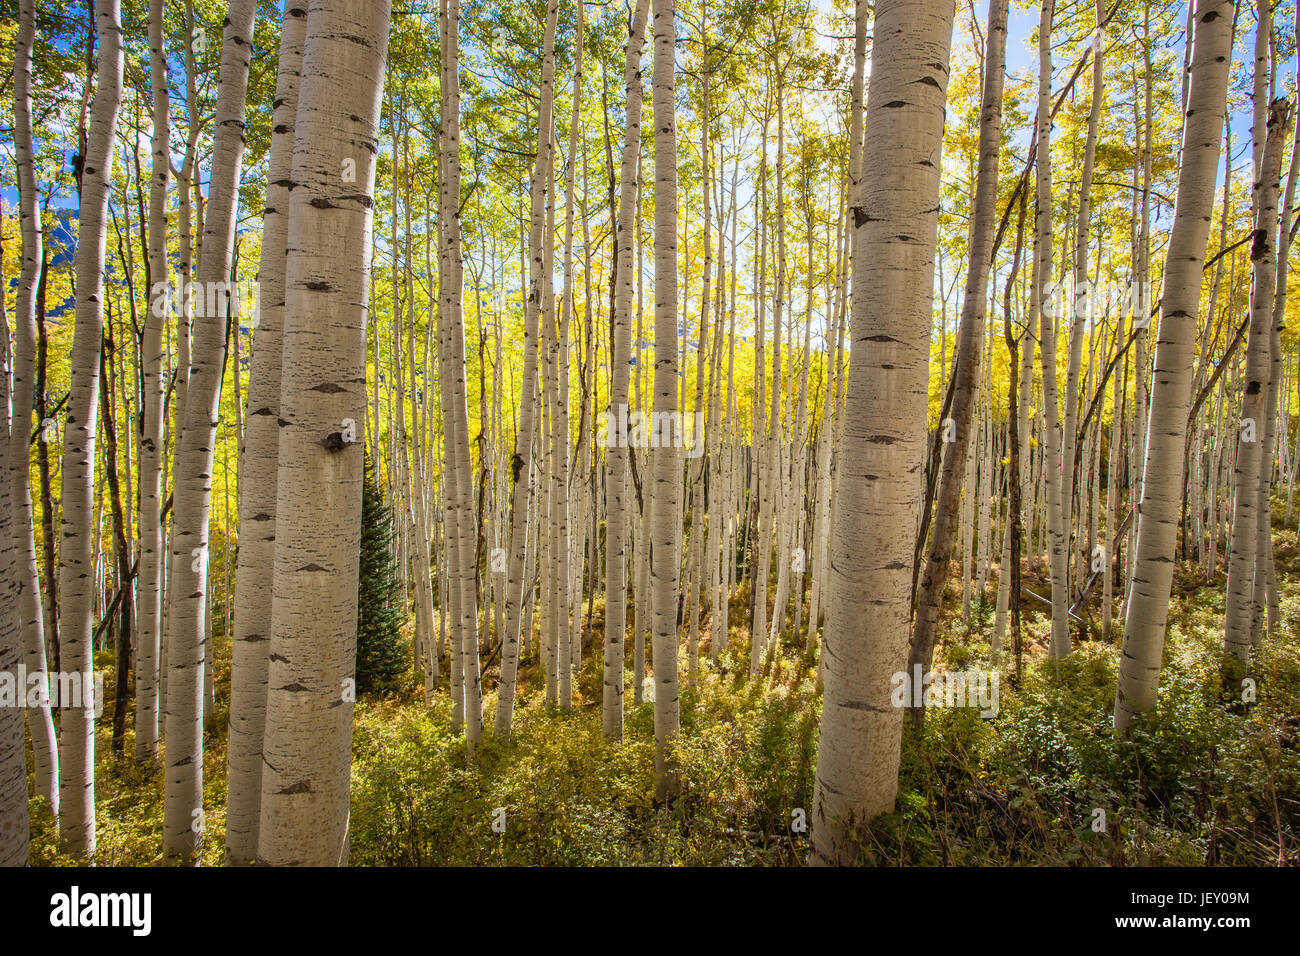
1147 607
257 477
883 447
15 824
461 532
308 753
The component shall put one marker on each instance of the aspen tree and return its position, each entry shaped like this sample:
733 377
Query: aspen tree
461 538
76 552
896 216
189 640
1239 612
1052 464
970 335
149 606
17 463
260 457
617 487
665 529
1147 607
15 824
305 781
521 464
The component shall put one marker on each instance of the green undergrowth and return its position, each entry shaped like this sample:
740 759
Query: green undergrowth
1204 779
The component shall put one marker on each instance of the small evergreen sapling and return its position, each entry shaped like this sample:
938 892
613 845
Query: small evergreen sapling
380 654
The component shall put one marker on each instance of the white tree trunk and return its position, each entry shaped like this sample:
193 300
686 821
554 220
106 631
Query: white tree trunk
1246 476
189 641
521 465
308 753
868 619
76 554
665 529
1147 607
28 599
257 484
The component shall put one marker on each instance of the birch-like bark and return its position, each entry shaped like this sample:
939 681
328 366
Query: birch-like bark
76 554
189 643
1246 474
461 532
27 599
970 337
149 587
1054 445
1147 608
665 529
15 824
618 506
308 752
521 465
883 445
257 478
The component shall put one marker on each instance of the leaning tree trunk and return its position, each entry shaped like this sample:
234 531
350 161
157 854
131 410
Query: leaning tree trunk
1239 612
1146 610
665 529
617 504
970 337
76 557
308 746
883 445
189 651
27 600
15 825
255 563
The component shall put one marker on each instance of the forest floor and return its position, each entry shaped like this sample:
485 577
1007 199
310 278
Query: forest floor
1205 780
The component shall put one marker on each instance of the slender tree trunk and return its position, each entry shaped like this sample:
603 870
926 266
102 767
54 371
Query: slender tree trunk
521 464
1246 474
461 533
1052 452
189 643
970 338
76 554
665 528
27 599
617 504
153 385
